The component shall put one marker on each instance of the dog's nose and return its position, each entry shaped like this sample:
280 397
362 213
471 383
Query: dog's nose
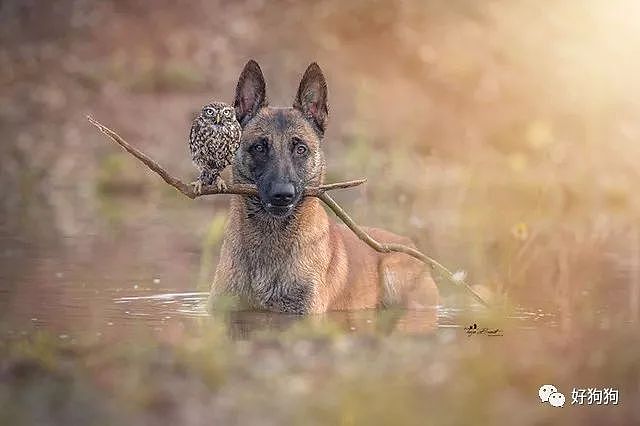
282 194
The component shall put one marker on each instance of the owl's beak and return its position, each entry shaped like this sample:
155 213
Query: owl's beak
218 118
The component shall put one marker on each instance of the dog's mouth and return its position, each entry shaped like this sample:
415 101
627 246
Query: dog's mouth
279 211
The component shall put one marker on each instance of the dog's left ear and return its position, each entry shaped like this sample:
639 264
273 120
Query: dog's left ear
311 99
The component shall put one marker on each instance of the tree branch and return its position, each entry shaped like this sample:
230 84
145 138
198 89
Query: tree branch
319 192
187 190
388 248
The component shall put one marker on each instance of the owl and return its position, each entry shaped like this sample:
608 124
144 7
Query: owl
213 141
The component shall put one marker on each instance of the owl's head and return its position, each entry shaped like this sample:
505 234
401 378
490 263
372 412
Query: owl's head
218 113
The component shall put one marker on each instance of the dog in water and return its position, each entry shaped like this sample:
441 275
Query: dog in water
281 252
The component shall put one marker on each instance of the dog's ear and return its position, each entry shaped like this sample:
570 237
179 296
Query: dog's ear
311 99
250 92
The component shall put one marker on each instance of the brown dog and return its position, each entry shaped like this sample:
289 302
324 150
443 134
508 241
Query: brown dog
280 251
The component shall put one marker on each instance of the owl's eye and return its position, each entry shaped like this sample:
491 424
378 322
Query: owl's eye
227 113
209 112
260 147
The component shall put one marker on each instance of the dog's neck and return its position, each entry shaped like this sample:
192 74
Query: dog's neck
259 229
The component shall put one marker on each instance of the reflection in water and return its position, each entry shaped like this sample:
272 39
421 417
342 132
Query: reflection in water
193 303
244 324
160 308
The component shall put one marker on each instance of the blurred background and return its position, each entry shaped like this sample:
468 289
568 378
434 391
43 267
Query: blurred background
503 137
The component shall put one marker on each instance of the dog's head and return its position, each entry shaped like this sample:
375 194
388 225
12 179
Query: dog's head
281 148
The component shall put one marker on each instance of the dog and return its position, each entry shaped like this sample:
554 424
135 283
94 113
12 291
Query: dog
280 251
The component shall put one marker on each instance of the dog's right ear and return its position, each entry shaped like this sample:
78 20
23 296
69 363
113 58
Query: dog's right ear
311 99
250 92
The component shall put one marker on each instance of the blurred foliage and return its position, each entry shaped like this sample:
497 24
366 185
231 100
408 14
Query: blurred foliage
211 243
313 376
115 175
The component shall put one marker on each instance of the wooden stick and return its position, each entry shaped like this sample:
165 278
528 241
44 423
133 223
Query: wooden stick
319 192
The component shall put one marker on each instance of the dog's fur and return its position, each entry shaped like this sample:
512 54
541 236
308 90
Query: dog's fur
292 258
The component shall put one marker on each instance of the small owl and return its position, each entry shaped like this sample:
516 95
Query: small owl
213 141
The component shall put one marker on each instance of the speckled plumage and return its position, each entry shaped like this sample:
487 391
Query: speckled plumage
213 141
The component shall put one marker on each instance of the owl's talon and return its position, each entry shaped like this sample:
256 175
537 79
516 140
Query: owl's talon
197 186
220 184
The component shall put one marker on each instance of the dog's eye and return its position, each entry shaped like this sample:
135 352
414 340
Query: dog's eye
301 149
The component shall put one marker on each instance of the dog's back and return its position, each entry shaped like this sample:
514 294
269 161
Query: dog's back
382 279
281 252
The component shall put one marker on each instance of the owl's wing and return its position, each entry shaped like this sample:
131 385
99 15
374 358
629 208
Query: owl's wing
193 132
199 144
